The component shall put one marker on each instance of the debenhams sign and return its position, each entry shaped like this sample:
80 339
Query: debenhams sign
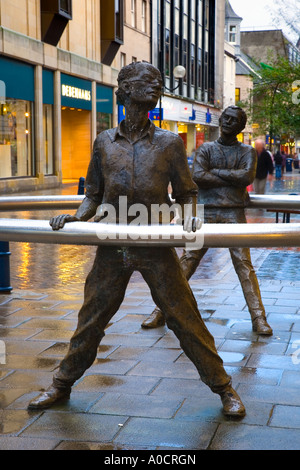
76 93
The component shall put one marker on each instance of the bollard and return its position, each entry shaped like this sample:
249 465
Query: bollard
4 268
81 186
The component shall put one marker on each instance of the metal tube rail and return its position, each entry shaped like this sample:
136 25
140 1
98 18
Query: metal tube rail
90 233
27 203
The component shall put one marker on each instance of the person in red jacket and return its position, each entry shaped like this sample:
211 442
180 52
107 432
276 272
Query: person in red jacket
264 168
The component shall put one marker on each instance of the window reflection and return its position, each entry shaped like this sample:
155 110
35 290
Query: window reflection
16 139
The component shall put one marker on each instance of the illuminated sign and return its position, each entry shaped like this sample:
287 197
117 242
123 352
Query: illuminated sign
76 93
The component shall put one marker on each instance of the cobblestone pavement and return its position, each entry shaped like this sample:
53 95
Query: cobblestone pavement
142 392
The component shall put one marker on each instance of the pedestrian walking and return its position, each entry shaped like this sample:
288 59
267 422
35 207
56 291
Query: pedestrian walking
278 164
264 167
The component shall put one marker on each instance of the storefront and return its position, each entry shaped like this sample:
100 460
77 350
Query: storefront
78 105
16 119
104 108
76 102
194 123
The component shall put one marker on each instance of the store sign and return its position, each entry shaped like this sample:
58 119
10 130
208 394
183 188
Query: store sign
17 79
156 114
76 93
186 111
171 108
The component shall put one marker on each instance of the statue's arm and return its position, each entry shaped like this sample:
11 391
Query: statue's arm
203 174
243 175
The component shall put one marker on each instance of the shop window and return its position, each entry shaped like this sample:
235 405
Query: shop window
48 138
16 138
104 122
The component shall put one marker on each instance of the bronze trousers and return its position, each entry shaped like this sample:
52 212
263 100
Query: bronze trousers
241 260
104 292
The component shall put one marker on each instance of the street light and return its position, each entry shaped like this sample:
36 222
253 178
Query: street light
179 73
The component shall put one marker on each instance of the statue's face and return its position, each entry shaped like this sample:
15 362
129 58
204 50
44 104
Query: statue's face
230 122
145 87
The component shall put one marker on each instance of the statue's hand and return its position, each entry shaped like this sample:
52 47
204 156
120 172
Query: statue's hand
59 221
192 224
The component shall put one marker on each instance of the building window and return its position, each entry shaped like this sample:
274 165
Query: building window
48 138
119 20
16 138
133 13
237 95
65 7
186 37
112 29
232 34
104 122
144 16
123 60
55 15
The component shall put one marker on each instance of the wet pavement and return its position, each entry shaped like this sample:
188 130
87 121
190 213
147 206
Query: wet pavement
142 392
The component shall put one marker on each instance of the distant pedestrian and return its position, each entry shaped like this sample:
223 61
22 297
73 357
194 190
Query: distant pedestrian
264 167
278 164
283 162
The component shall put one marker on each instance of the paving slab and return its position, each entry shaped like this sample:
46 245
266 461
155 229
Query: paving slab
142 392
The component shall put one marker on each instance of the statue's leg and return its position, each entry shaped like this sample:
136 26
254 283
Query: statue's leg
242 263
172 293
104 291
162 272
189 262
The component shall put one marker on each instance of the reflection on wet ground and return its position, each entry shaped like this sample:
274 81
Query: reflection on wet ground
49 266
142 392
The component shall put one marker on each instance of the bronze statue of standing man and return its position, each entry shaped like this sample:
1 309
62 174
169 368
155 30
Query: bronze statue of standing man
138 160
222 170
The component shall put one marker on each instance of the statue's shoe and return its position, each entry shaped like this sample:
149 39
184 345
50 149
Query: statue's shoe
48 398
232 404
155 320
261 326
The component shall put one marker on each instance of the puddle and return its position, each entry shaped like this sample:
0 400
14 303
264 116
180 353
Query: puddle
230 357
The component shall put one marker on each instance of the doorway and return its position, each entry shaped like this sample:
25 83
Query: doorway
76 143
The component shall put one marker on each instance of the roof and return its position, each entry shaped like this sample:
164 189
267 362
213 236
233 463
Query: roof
246 66
229 12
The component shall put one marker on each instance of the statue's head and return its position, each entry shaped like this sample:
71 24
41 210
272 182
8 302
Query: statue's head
233 120
139 83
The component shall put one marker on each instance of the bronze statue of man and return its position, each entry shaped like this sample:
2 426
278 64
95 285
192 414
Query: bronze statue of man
222 170
138 160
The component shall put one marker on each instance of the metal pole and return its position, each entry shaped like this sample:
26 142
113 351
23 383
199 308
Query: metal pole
27 203
210 236
5 286
81 186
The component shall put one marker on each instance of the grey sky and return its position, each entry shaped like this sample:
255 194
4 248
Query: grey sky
256 15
